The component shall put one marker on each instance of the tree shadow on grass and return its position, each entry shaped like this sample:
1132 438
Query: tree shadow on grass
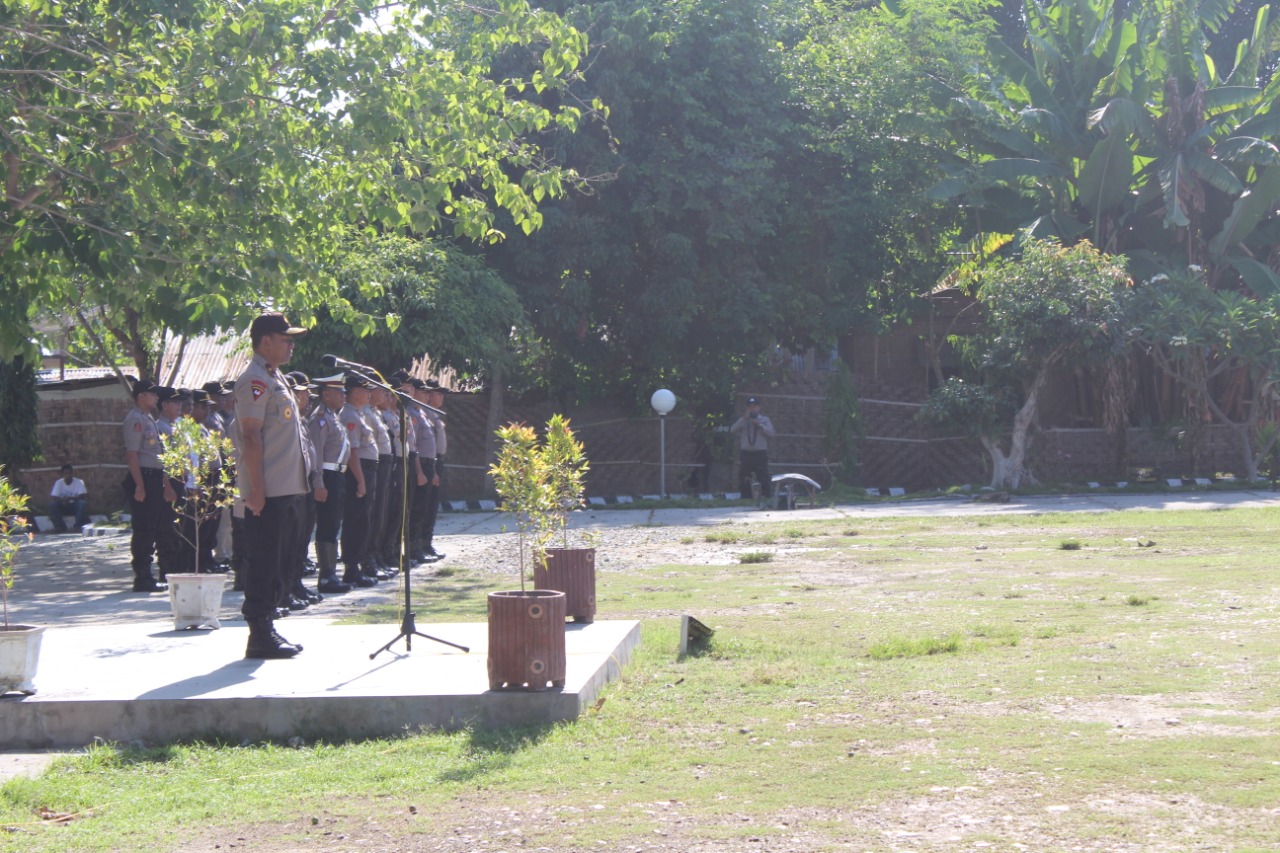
494 749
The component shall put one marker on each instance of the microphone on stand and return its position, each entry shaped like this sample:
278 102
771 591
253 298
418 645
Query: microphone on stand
331 362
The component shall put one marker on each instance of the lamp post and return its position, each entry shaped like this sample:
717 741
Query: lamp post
663 401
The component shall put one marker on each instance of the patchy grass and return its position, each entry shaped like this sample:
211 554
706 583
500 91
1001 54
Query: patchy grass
894 689
755 557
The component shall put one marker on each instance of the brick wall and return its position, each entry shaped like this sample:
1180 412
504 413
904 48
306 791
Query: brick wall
84 431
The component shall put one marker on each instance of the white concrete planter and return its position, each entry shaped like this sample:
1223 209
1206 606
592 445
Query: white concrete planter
196 599
19 655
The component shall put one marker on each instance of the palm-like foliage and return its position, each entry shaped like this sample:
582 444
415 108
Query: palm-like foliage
1117 125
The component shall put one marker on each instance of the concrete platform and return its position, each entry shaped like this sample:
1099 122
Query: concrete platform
145 681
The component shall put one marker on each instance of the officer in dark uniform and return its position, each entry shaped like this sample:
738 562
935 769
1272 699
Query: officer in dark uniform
333 451
273 477
146 486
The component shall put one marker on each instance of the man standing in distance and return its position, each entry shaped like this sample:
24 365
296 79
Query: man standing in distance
273 478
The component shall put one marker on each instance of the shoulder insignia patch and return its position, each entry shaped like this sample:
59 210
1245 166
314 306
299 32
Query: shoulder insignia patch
258 387
351 425
137 427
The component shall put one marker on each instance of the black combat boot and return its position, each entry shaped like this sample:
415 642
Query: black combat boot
266 644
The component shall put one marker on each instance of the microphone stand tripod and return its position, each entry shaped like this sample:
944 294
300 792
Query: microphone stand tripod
408 628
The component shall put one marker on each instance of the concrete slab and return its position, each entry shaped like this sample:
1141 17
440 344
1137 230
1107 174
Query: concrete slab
145 681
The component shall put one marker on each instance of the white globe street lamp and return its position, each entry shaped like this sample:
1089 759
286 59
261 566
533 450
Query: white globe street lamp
663 401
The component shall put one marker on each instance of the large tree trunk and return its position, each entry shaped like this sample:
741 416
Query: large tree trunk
1009 469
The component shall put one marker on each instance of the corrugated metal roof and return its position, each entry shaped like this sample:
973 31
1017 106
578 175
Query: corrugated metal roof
208 358
54 375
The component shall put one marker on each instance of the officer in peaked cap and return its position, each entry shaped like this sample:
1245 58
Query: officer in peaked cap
361 482
146 487
274 480
333 450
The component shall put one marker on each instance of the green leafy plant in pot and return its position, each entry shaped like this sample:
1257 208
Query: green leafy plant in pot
196 456
19 644
570 570
526 626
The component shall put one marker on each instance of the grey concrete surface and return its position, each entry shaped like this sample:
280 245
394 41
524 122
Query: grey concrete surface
144 681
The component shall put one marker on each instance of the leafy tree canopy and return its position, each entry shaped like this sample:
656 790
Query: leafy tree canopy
201 158
421 297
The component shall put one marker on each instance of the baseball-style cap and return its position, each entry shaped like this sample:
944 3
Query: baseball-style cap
299 381
174 395
143 386
273 324
752 401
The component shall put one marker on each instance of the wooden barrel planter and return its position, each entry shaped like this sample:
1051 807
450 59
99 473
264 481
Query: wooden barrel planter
526 640
573 572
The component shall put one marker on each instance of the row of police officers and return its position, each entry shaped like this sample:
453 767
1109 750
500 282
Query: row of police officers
355 468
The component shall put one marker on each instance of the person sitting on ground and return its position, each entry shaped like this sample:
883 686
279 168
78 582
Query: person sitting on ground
68 497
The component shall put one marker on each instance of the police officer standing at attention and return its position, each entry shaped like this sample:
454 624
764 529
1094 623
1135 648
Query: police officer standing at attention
146 486
426 496
434 397
333 450
273 478
361 483
172 551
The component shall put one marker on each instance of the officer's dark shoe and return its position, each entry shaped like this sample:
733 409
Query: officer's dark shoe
333 586
313 596
432 552
266 644
375 571
354 578
295 604
282 612
148 585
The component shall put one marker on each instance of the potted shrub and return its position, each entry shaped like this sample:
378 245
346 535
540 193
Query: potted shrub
570 570
526 626
194 454
19 644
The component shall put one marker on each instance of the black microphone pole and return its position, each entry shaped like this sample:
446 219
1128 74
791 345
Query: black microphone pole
408 629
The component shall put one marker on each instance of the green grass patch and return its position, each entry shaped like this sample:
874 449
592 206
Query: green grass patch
892 665
913 647
755 557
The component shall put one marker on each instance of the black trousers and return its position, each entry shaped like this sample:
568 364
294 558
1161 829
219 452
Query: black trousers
329 511
433 507
148 520
754 462
380 502
423 498
389 536
270 541
357 514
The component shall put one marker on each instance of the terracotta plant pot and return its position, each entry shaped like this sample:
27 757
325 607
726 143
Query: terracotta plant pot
19 655
196 599
526 640
573 572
